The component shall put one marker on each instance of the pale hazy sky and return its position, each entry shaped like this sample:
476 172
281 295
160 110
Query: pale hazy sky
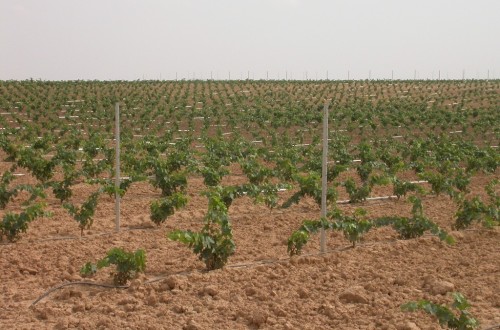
132 39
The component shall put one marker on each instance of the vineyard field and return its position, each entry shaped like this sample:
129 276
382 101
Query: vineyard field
413 203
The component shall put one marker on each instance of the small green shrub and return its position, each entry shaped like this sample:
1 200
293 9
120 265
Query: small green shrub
310 185
416 225
164 207
353 227
212 176
468 212
301 236
440 183
85 213
476 210
6 193
128 265
13 224
168 177
214 243
401 188
445 316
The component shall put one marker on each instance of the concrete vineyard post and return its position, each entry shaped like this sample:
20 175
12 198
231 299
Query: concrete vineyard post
324 169
117 162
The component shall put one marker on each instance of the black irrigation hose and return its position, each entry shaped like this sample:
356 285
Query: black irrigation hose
102 285
241 265
160 278
77 283
494 327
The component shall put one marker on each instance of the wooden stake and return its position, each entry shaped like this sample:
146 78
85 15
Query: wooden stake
117 163
324 170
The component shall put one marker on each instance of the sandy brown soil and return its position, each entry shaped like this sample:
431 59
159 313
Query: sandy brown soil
360 288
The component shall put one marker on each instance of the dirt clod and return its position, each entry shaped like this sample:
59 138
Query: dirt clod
441 287
354 295
258 318
210 290
407 326
175 282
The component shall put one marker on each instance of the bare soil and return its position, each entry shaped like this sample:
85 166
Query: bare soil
346 288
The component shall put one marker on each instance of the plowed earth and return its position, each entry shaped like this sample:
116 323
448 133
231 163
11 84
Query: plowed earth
346 288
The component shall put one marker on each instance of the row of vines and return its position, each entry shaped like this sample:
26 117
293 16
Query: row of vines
418 138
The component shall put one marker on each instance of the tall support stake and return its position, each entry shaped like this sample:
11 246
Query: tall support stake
117 163
324 170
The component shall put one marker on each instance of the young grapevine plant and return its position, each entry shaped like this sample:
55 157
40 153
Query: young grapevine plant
361 193
164 207
353 227
301 236
85 213
169 181
445 316
416 225
475 209
128 265
7 193
214 243
310 185
401 188
13 224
